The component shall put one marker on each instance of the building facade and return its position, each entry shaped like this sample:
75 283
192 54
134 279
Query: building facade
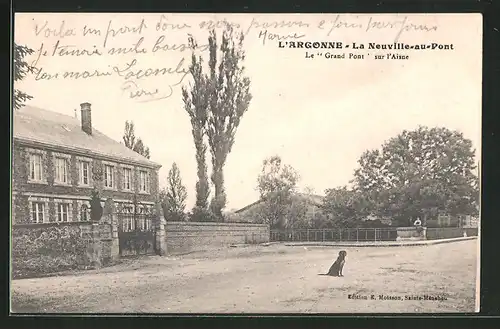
58 160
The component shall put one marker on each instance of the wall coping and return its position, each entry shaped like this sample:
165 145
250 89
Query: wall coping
217 224
35 225
408 228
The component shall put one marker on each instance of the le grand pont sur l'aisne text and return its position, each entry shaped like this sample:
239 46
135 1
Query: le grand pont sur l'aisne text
370 45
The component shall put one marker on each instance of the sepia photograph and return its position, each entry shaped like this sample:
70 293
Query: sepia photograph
175 163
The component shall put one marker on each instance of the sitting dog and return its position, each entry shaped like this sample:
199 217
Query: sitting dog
338 266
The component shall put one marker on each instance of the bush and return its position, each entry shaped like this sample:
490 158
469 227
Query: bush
95 207
202 215
232 217
43 250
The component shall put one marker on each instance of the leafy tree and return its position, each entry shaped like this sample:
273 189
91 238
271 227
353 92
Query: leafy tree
296 213
227 95
136 145
202 215
129 135
141 149
344 207
229 99
232 217
418 173
196 105
21 69
174 196
276 183
95 206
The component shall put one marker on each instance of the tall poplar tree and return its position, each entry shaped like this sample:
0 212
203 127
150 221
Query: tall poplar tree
229 98
196 105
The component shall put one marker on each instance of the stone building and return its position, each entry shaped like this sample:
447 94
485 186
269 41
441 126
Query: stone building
57 160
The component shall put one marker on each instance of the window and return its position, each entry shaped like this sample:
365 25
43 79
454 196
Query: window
63 212
38 212
128 224
144 181
144 224
84 213
62 170
36 168
84 173
108 176
127 179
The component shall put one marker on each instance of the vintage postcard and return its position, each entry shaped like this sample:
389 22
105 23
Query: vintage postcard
246 163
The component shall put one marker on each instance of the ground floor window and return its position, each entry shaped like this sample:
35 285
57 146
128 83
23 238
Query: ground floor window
129 224
144 223
62 212
38 212
84 213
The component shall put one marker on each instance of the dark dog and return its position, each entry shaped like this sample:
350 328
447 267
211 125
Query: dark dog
338 266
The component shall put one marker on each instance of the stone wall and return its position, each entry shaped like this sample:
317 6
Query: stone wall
40 249
449 233
428 233
193 236
411 233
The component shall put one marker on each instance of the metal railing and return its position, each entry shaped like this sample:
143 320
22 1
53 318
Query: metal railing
352 234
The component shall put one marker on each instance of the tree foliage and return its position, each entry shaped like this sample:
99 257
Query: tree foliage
196 105
296 213
418 173
173 198
136 145
216 104
95 206
140 148
276 184
344 207
229 98
21 69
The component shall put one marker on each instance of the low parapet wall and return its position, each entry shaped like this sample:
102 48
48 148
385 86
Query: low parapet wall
193 236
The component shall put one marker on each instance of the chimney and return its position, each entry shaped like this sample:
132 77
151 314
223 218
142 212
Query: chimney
86 118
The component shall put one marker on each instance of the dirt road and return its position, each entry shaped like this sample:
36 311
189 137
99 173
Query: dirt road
261 279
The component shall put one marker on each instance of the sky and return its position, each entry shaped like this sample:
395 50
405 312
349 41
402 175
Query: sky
318 114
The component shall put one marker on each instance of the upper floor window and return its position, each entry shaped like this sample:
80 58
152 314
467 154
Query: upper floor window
144 181
108 176
38 212
84 173
62 170
127 178
36 167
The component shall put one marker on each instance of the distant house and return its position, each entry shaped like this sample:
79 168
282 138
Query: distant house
57 160
313 203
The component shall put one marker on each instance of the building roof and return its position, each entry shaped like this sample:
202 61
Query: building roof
32 124
312 198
